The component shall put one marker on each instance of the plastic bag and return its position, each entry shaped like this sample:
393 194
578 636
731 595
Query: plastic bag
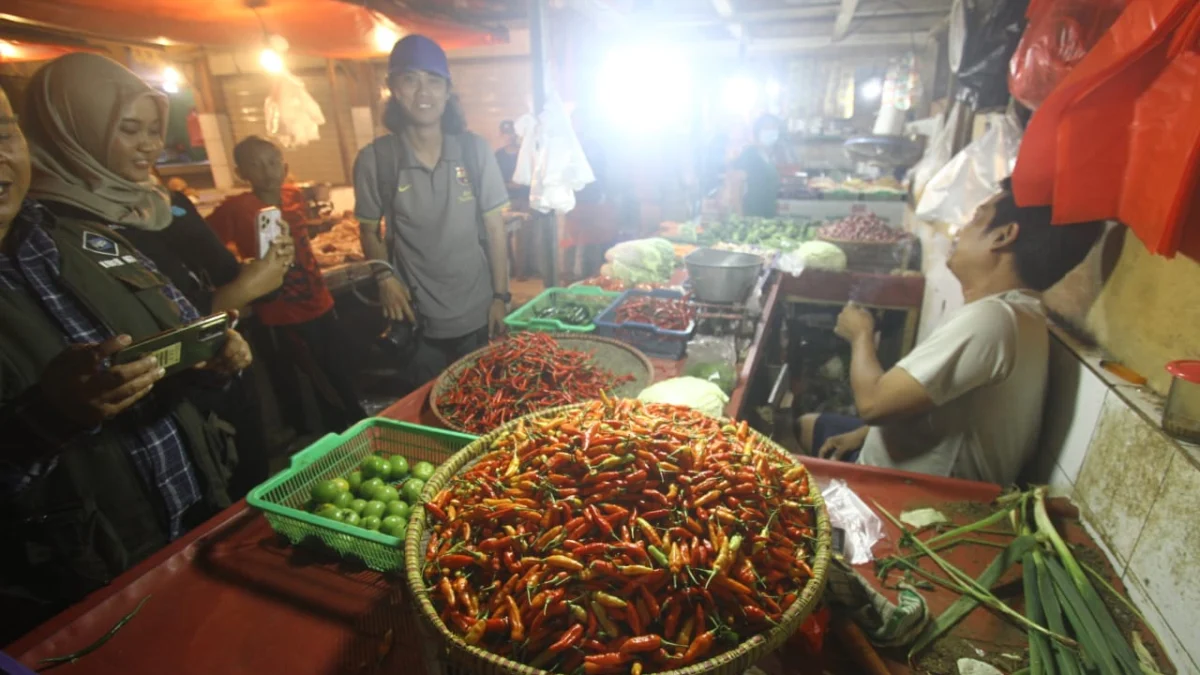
559 166
820 255
687 391
938 153
994 28
849 513
974 175
1059 35
292 115
713 359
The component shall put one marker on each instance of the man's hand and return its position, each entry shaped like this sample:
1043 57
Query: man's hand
496 314
837 447
76 384
396 300
235 356
854 322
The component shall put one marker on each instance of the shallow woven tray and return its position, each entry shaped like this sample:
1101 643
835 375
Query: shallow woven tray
616 357
448 654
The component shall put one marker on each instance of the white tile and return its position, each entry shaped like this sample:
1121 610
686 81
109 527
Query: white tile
1060 483
1168 554
1124 469
1118 563
1164 631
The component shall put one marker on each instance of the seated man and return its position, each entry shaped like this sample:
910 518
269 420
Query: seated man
967 401
100 465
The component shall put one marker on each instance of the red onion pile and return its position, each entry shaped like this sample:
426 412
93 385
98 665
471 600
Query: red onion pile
865 227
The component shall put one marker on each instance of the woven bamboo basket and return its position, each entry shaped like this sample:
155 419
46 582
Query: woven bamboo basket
873 256
616 357
446 653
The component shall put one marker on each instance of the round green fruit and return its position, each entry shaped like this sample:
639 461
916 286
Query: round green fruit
349 517
342 501
357 505
411 490
387 494
400 531
399 466
328 511
399 508
355 480
374 508
325 492
376 467
423 470
370 523
369 486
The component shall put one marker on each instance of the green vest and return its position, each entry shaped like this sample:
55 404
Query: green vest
93 517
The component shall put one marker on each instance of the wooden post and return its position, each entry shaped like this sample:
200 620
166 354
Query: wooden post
347 157
539 45
202 82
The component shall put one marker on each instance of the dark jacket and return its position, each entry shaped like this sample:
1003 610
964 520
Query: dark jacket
74 529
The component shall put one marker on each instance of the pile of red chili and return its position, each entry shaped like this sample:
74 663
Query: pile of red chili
522 374
620 537
666 313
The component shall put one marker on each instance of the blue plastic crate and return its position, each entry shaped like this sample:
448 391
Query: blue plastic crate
650 339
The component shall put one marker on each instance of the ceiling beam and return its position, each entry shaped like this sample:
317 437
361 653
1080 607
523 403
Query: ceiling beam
841 25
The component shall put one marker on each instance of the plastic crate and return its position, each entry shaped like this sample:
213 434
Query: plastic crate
650 339
283 498
524 318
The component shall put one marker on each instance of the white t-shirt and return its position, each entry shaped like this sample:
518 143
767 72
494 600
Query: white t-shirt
985 369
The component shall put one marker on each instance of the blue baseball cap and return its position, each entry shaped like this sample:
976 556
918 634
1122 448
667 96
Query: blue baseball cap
417 52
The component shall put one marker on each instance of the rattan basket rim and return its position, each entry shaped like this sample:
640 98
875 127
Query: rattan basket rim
743 656
443 381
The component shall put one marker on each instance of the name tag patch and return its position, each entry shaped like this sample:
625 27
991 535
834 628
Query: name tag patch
117 262
98 243
460 174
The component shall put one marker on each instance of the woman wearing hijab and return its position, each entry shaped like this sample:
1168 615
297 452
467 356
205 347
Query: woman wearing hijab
95 130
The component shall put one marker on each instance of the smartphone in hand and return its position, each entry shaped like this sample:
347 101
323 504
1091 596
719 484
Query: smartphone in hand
182 347
268 228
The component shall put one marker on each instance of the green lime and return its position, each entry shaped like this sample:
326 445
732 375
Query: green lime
391 522
349 517
423 470
374 508
387 494
342 483
325 492
370 523
376 467
328 511
342 501
357 505
355 479
399 508
396 530
399 466
368 487
411 490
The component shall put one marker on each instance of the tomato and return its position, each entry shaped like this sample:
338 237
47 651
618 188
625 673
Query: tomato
325 492
329 511
374 508
391 522
399 508
400 530
370 523
376 467
368 487
423 470
357 505
387 494
342 483
399 466
342 501
411 490
355 479
349 517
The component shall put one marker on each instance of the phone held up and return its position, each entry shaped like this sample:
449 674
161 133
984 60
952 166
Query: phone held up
268 227
183 347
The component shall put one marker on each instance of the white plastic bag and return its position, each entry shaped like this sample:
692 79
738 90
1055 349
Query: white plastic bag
973 176
937 153
559 165
816 254
292 115
849 513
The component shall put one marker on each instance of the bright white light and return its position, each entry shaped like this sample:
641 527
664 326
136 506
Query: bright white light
7 50
646 87
740 94
385 38
271 61
170 86
170 80
774 89
872 89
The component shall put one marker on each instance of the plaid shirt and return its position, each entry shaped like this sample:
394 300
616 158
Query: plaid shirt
156 446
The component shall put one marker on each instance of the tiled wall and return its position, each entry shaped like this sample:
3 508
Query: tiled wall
1138 491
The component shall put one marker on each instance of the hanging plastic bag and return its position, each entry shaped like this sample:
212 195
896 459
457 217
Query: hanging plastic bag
1059 35
559 168
292 115
994 28
937 154
973 176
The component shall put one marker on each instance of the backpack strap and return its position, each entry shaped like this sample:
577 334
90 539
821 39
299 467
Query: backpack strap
473 161
388 152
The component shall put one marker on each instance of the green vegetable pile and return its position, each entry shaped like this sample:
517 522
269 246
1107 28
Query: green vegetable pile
721 374
769 233
378 496
641 261
569 313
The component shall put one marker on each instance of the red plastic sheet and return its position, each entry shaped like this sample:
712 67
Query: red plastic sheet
1060 33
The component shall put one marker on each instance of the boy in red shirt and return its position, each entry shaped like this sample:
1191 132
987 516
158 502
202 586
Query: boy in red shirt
299 317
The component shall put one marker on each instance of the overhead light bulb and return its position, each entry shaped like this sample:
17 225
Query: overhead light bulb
872 89
385 37
773 89
7 50
271 61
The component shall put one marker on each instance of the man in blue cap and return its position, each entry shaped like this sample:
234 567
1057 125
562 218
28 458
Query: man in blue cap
439 191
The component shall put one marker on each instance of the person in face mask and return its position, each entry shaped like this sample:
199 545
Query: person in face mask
753 181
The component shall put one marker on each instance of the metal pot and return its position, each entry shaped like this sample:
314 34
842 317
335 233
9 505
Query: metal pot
1181 414
723 277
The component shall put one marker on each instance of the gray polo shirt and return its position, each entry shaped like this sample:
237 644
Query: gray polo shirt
437 229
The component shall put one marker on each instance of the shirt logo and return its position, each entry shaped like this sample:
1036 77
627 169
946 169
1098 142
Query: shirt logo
403 188
460 174
97 243
178 211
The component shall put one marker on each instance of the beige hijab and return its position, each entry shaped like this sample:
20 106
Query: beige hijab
72 109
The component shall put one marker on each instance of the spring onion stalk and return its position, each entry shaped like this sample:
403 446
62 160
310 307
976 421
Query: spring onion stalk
1040 662
1066 659
994 519
1099 578
969 586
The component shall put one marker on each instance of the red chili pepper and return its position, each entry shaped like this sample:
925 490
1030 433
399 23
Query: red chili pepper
568 639
643 643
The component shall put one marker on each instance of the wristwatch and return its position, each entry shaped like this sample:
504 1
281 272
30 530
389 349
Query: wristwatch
506 297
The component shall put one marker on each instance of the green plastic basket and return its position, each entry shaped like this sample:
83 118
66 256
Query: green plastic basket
283 499
523 318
